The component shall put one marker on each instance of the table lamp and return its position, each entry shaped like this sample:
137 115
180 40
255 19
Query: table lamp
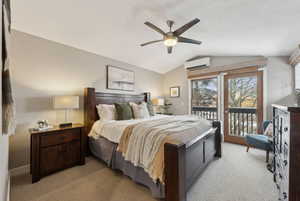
66 103
159 103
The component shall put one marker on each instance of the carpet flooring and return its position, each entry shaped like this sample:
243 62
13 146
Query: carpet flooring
237 176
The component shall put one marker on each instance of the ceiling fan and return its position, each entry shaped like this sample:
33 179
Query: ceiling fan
171 38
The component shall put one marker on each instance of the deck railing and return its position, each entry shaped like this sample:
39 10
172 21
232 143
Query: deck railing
209 113
241 120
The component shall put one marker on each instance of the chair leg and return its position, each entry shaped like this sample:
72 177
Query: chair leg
248 147
267 157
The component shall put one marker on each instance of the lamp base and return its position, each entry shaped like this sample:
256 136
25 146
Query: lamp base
63 125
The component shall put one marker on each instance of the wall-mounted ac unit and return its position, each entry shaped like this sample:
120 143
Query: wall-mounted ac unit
203 62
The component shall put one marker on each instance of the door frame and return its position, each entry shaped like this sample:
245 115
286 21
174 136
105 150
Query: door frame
259 109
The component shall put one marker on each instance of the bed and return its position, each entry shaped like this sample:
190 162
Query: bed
183 162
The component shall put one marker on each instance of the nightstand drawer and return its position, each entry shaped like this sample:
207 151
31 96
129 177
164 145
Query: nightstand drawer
55 138
61 156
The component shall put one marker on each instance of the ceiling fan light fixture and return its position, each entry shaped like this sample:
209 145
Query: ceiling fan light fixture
171 38
170 41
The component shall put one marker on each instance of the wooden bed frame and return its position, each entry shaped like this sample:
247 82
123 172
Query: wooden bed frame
183 163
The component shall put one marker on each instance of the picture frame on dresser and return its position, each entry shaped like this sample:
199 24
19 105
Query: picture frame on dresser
119 78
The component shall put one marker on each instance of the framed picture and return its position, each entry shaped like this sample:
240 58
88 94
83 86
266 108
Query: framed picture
119 78
174 92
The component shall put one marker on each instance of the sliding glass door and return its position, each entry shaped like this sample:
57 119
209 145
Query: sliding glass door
243 105
233 97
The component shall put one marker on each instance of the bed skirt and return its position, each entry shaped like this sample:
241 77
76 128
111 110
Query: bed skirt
107 152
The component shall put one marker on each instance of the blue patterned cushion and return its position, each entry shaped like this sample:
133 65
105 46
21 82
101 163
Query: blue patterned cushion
259 141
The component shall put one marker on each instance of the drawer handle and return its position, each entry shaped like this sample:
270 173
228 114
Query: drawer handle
286 129
285 162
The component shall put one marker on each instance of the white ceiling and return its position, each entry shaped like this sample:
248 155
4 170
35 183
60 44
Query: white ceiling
115 28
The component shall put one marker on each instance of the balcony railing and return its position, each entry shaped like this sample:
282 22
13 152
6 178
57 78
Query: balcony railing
209 113
241 120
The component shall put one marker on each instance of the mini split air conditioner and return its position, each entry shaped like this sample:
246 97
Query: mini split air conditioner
197 64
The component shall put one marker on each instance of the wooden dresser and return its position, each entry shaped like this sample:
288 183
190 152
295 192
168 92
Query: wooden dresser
56 149
287 152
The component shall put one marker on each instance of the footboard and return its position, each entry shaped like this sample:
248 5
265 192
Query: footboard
185 162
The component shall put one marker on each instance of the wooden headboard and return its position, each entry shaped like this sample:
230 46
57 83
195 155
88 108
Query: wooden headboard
93 98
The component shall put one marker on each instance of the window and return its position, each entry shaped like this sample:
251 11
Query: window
205 98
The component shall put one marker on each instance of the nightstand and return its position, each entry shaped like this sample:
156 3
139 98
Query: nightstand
56 149
165 113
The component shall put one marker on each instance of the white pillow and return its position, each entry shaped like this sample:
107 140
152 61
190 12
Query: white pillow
140 111
269 130
106 112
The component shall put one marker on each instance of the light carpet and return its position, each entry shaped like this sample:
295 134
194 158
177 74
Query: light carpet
237 176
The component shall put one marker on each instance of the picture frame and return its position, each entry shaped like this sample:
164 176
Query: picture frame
175 92
119 78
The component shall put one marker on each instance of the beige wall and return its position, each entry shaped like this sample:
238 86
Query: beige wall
42 69
278 82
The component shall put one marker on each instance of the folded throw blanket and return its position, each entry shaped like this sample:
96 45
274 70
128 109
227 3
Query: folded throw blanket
143 143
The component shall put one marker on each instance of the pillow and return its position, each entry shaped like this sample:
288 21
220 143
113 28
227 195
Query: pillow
106 112
269 130
140 111
150 109
124 111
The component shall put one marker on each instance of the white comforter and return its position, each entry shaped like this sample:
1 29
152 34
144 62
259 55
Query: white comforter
113 130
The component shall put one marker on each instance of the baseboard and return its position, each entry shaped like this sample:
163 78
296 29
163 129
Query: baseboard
20 170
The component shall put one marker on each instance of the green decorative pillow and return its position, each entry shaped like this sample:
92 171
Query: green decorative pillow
124 111
150 109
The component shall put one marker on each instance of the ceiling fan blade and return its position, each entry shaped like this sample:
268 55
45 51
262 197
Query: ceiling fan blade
170 50
185 27
155 28
187 40
148 43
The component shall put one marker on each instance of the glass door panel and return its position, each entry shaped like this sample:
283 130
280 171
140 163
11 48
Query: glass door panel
205 98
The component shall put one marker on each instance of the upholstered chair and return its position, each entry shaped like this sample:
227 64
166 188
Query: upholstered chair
260 141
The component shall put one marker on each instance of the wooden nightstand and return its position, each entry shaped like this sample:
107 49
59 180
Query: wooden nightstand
166 113
56 149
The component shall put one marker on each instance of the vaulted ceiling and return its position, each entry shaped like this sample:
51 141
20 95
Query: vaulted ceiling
115 28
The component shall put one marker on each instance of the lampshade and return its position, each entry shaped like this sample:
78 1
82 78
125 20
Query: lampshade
158 101
295 57
66 102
